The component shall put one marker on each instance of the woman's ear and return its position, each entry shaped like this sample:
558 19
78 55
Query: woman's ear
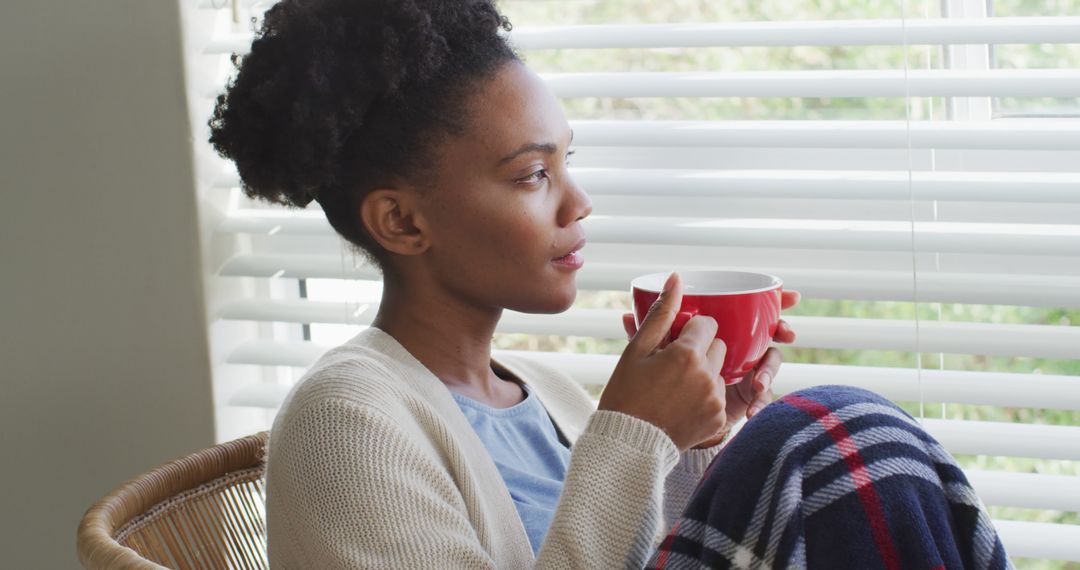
392 219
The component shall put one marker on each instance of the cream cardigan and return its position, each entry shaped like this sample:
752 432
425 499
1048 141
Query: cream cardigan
371 464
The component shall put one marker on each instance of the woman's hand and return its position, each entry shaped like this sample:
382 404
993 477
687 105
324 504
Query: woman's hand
748 396
676 387
754 391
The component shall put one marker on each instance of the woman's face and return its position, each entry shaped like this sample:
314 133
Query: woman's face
503 209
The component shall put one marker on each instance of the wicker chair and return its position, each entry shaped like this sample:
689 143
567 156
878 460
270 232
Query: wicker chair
205 510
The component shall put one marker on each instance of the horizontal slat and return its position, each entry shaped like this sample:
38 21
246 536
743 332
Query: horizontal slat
1040 540
228 4
1046 341
1059 134
814 209
295 266
974 288
1007 239
765 34
829 83
1012 440
802 33
790 155
900 262
899 384
1053 187
1016 239
951 386
1056 187
1027 490
261 395
299 354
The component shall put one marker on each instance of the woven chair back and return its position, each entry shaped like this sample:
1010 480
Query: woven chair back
204 511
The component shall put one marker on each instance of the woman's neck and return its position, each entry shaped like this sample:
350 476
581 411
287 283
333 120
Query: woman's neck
449 337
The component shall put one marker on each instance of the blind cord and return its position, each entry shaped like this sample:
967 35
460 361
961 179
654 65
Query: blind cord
911 203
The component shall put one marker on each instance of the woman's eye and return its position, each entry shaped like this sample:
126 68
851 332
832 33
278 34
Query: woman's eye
532 177
542 173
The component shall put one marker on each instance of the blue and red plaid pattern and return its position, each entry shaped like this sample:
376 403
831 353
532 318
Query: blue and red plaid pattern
833 477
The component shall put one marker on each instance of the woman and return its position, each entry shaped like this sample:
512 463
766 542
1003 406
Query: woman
436 152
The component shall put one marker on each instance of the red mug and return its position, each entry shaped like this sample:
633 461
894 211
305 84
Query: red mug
746 307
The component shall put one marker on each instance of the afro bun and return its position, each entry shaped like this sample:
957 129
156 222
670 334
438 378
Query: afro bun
337 97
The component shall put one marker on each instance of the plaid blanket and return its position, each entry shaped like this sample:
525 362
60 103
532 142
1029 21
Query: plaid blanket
833 477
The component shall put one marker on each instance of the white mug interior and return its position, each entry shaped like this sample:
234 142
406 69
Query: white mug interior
716 282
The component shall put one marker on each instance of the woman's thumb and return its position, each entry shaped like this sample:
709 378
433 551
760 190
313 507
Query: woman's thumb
661 315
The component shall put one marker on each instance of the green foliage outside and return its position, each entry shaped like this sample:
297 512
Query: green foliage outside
528 13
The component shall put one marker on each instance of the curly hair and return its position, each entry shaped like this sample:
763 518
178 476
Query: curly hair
339 97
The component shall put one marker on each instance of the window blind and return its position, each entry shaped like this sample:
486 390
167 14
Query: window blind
900 171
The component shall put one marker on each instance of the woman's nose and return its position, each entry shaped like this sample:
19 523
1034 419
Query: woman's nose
576 204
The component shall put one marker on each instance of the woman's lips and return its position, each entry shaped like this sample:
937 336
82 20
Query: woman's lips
572 260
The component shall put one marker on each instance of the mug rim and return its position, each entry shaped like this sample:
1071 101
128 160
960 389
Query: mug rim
774 282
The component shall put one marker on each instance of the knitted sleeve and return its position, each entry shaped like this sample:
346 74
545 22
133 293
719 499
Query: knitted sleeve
683 480
404 510
610 510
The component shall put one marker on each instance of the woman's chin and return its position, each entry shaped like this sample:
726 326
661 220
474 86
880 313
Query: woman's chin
550 303
566 300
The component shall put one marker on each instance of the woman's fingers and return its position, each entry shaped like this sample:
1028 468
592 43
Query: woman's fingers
629 325
716 353
763 381
784 333
698 333
654 329
761 399
767 368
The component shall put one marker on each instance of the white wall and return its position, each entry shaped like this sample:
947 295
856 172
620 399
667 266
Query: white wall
104 365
